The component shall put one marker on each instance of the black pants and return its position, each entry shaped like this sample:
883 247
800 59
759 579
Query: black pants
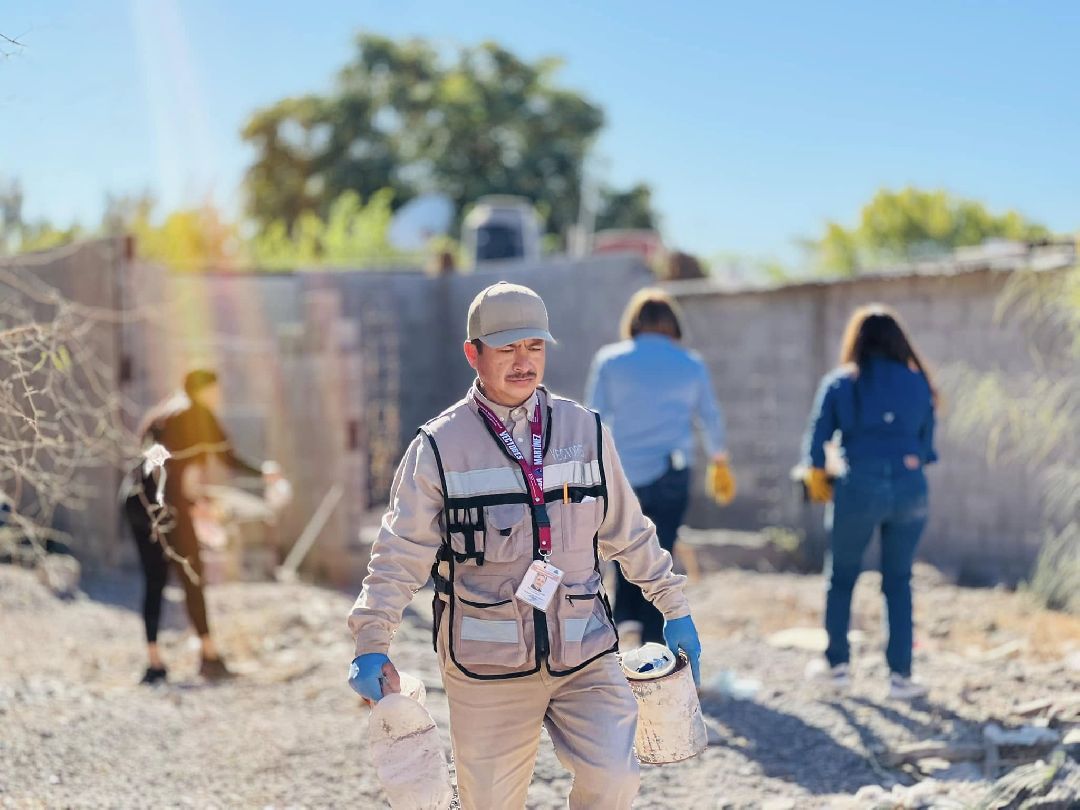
664 502
155 565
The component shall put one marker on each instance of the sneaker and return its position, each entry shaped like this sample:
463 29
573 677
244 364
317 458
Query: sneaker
840 676
837 677
154 675
214 669
901 688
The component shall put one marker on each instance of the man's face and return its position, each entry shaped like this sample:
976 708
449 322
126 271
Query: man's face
509 374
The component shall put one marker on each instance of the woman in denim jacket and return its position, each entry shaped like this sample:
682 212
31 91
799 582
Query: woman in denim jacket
881 401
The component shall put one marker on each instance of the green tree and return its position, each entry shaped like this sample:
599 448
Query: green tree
11 216
911 224
739 268
310 151
188 239
42 235
356 232
403 117
191 239
19 235
353 234
626 209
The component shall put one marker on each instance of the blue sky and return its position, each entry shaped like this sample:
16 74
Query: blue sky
754 123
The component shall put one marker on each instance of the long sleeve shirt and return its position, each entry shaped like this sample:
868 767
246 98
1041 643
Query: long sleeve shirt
883 413
411 533
191 433
652 393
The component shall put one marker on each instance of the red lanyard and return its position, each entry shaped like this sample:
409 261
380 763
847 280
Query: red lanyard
533 470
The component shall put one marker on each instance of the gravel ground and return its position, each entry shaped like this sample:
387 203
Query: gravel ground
75 730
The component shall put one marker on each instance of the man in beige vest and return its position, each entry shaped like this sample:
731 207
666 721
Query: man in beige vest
509 500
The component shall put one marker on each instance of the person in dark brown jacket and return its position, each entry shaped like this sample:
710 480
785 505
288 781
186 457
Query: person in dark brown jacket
185 425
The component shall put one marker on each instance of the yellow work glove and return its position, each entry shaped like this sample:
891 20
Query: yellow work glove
720 482
818 485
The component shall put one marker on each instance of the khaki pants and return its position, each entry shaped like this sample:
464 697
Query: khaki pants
591 717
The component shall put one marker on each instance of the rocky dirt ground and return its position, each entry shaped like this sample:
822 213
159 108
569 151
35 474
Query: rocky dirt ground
75 730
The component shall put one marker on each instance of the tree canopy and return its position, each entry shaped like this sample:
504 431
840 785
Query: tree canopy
901 226
403 116
20 235
626 209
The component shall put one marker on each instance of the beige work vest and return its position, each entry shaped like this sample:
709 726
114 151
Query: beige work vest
490 538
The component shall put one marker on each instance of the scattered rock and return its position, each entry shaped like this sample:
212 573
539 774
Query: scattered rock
60 573
1007 748
940 628
929 793
871 794
779 804
938 749
728 684
1071 744
961 772
811 639
289 733
1023 737
1032 708
1010 649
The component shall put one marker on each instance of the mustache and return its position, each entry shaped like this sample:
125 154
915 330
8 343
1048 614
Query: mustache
530 376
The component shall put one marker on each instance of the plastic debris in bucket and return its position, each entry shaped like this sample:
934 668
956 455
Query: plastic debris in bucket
670 725
648 662
406 751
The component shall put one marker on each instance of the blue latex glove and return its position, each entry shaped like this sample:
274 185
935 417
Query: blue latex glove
364 674
680 634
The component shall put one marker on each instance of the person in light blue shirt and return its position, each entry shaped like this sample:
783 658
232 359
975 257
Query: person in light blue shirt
652 393
880 402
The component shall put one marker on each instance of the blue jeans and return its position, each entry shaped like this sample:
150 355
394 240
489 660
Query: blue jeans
894 500
664 502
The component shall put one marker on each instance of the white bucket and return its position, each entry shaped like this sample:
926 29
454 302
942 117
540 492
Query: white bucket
670 725
407 755
412 687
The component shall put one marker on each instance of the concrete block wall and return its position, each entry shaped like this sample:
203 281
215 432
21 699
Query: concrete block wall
292 380
768 350
414 326
332 372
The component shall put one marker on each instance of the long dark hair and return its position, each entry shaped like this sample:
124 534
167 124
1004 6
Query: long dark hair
875 330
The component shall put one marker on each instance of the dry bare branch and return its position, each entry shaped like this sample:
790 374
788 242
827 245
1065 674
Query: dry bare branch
61 414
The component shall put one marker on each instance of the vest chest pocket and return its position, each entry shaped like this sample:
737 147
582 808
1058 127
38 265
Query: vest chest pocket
582 629
507 532
487 628
579 521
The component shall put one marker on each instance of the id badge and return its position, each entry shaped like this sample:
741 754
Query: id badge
538 586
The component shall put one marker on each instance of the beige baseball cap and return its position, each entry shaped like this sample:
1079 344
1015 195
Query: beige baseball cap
505 313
